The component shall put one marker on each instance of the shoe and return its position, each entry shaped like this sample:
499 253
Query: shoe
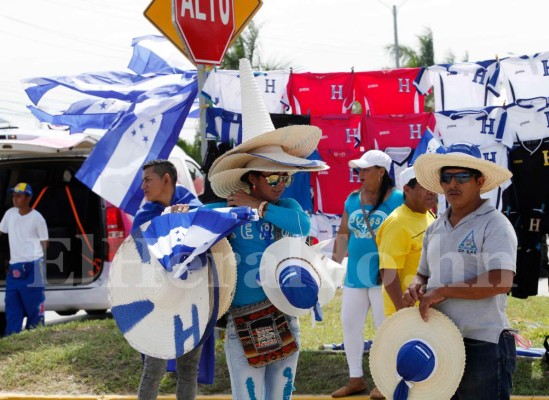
375 394
354 386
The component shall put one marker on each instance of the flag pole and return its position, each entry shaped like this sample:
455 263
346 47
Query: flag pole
201 70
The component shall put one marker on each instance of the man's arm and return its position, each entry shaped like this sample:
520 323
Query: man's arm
489 284
415 291
44 244
341 240
391 283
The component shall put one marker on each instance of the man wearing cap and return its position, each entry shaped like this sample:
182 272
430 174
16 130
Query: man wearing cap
25 285
399 240
467 267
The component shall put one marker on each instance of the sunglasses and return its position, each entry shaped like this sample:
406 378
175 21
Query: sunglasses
460 177
275 179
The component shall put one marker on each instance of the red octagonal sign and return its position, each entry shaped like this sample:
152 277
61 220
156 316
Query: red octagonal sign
206 27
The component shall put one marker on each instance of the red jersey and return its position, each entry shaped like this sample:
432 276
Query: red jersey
321 93
331 187
388 92
339 131
401 130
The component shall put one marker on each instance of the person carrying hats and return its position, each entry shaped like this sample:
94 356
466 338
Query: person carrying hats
364 212
261 342
467 267
28 239
159 186
399 240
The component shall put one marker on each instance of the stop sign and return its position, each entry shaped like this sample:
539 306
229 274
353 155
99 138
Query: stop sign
206 27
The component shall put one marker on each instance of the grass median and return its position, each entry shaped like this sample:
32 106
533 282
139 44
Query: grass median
92 357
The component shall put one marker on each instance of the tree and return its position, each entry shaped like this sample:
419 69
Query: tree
411 58
247 45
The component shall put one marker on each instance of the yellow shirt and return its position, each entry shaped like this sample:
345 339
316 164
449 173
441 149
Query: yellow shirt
399 241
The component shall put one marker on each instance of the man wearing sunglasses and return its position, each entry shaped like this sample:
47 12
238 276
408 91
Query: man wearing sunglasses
467 267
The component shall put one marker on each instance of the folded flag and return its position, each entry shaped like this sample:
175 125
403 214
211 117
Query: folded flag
428 144
176 239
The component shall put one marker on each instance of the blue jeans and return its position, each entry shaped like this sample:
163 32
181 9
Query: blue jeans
187 373
272 382
489 369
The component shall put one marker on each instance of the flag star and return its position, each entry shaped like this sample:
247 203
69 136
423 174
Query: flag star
145 139
153 121
103 105
179 240
141 125
134 132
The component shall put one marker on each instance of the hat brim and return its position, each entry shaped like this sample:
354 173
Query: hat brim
240 160
427 169
146 302
226 182
225 262
296 140
289 248
439 332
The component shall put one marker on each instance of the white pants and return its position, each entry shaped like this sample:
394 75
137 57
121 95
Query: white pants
354 308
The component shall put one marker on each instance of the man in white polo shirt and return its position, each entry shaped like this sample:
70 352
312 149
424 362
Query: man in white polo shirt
467 267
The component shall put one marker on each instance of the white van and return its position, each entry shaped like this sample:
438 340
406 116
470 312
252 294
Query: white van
85 230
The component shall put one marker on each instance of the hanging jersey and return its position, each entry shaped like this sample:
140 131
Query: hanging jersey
331 187
526 76
325 227
388 92
461 85
476 125
395 130
320 93
222 87
401 157
528 122
339 131
223 126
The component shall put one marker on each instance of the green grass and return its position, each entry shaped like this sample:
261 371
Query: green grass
92 357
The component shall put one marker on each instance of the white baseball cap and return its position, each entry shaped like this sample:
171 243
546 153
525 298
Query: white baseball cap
407 175
372 158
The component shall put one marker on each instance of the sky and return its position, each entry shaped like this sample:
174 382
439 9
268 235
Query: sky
40 38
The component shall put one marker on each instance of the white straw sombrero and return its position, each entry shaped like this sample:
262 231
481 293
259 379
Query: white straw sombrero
465 155
163 316
296 276
228 181
424 359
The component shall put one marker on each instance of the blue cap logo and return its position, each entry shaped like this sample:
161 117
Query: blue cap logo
464 148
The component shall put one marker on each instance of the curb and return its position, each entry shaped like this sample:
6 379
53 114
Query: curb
18 396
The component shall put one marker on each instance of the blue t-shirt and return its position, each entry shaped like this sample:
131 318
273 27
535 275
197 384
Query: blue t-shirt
250 240
363 262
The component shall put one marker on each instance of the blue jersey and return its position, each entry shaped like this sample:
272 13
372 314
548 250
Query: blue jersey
363 262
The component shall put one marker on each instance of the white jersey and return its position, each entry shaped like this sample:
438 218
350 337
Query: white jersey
24 233
400 157
223 89
485 128
527 121
325 227
479 126
461 85
525 77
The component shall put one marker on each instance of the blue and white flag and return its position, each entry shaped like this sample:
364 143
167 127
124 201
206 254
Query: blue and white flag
148 130
176 239
107 85
153 54
427 145
85 114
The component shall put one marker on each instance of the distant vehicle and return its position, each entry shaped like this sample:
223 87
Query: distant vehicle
85 230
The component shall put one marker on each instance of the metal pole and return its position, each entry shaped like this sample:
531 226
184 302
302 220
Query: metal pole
397 49
201 70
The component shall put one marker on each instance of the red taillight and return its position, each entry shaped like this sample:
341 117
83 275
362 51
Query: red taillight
115 231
